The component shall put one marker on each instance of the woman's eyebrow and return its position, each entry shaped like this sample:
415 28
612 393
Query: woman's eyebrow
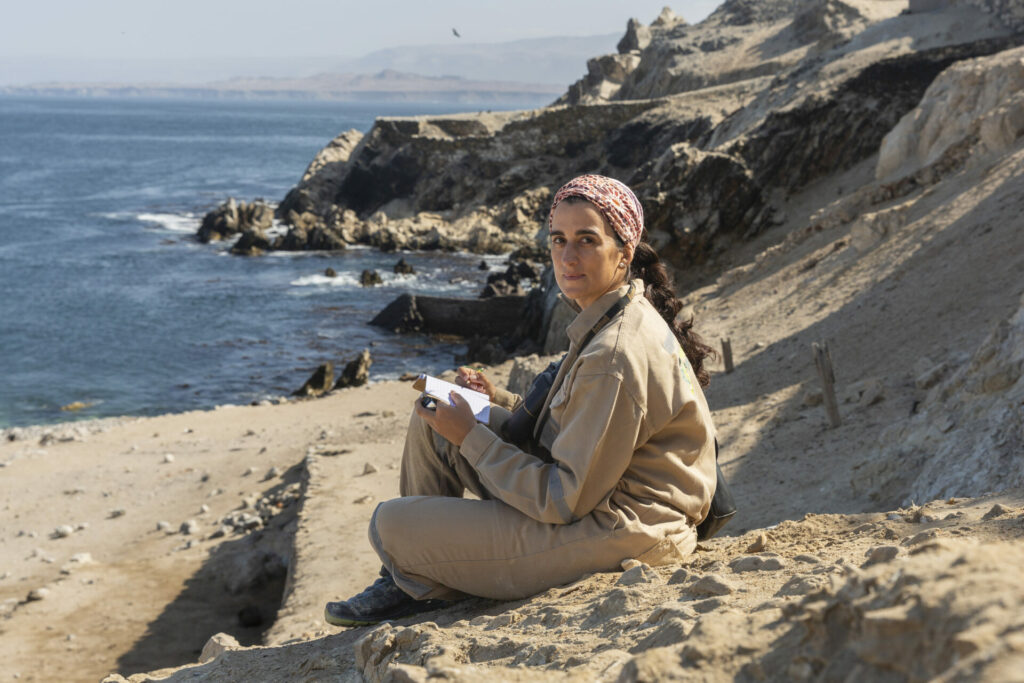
589 231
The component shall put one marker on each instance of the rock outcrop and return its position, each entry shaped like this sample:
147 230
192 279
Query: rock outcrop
322 178
712 124
356 372
967 436
974 100
319 383
232 218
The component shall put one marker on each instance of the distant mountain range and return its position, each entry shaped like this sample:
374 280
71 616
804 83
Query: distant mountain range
557 61
385 86
527 73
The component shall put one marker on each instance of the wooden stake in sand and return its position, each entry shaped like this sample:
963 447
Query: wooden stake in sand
727 354
823 361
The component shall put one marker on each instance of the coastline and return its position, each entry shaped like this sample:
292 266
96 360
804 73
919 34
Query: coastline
112 300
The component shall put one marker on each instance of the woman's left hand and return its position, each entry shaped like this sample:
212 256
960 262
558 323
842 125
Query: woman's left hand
453 422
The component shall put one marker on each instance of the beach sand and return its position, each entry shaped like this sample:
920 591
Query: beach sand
150 598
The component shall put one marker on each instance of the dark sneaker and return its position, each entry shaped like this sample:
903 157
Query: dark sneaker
379 602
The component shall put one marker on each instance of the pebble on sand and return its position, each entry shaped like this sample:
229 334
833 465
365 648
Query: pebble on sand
189 527
997 510
221 642
641 573
369 468
880 554
63 531
168 458
712 584
37 594
759 544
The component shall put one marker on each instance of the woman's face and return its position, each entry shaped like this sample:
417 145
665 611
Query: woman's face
587 259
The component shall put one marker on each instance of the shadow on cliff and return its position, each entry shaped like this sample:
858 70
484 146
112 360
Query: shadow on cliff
944 297
238 591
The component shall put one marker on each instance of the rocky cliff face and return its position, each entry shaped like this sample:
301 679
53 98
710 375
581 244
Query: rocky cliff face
967 431
712 124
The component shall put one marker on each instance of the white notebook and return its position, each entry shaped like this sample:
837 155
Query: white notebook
440 389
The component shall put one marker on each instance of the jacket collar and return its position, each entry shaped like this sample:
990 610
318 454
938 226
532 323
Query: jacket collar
589 316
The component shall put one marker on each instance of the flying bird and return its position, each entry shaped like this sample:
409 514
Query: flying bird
456 33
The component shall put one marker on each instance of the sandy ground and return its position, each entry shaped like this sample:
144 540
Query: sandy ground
151 598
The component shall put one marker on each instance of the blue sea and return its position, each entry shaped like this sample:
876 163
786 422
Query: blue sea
106 299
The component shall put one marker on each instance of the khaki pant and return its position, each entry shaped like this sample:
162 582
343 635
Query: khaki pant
437 544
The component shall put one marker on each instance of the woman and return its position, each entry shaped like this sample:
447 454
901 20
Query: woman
624 460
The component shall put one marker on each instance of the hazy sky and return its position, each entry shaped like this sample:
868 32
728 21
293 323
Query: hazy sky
39 37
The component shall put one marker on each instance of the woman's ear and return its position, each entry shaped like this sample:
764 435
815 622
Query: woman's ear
627 254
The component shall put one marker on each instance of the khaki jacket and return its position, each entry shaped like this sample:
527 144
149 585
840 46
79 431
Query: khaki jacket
629 431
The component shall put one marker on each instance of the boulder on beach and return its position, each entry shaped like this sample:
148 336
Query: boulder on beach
319 383
356 372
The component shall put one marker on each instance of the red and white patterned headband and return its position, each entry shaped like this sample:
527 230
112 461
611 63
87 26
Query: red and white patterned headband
614 200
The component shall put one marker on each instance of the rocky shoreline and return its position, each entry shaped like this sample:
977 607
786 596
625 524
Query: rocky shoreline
712 158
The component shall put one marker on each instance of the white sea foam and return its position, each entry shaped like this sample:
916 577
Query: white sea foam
351 279
320 280
175 222
277 229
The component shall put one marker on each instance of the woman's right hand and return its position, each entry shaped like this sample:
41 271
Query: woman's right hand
474 379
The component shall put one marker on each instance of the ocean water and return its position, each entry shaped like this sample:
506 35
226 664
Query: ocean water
107 300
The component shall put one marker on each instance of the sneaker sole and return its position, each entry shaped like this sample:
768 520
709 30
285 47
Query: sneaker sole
427 606
341 621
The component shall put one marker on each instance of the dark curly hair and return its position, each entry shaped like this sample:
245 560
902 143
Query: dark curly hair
658 289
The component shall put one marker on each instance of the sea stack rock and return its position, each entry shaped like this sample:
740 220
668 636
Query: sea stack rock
356 372
231 218
319 383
